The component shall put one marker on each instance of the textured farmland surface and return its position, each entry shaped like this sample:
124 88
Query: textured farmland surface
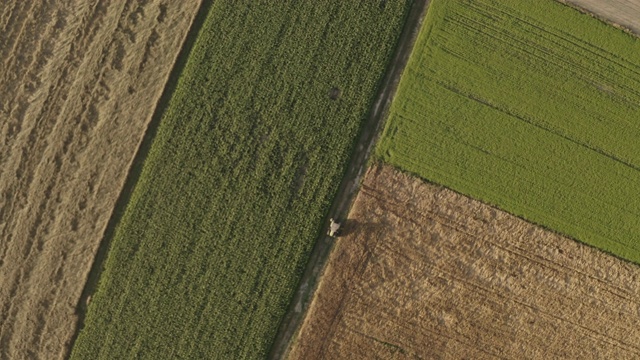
426 273
238 180
622 12
531 106
79 81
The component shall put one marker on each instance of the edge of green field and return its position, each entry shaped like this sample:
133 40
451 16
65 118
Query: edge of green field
530 107
237 182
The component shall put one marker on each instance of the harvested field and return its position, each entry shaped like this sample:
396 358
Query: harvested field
424 272
625 13
79 81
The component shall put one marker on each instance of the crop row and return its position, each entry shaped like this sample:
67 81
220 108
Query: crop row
240 175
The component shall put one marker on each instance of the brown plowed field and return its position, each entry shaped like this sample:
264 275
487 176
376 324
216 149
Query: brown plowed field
621 12
424 272
79 81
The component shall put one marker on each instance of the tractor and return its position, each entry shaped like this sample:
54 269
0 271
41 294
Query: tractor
334 227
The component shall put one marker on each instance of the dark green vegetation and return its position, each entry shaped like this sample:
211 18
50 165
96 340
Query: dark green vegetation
238 180
531 106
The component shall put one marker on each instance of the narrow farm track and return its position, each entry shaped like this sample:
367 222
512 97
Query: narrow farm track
351 181
79 81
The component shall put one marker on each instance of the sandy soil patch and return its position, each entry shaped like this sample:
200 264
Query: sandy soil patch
625 13
79 81
424 272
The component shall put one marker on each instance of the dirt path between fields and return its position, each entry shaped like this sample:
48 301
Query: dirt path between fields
79 81
620 13
351 181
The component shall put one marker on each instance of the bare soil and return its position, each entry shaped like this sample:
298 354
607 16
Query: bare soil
622 13
79 82
424 272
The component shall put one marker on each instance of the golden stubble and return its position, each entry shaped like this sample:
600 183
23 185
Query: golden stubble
79 82
424 272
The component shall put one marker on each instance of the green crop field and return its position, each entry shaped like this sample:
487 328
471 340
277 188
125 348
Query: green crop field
239 179
530 106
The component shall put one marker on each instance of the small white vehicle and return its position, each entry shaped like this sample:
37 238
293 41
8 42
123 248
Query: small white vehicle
334 227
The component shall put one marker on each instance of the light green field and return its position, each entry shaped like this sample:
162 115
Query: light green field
238 180
530 106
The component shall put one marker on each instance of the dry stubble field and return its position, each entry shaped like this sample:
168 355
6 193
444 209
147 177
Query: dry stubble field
622 12
424 272
79 81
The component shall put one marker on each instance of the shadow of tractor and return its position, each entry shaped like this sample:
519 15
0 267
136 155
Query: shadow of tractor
353 226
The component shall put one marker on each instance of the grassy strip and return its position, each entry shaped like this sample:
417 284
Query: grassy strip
247 157
531 106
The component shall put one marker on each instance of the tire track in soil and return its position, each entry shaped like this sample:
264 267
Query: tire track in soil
350 183
71 121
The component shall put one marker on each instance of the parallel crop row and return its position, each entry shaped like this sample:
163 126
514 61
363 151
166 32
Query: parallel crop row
239 179
531 106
